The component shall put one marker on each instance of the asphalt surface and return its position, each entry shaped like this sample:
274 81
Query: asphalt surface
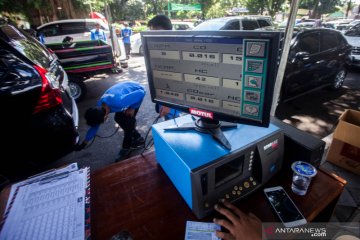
315 113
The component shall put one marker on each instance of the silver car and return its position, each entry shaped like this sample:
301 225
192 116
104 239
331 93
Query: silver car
353 37
136 44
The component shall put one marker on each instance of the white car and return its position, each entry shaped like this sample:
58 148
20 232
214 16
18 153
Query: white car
135 40
78 29
353 37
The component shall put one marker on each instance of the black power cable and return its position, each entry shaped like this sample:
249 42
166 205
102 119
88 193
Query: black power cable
93 140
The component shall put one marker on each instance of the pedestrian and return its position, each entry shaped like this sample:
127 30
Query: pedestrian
123 99
126 33
162 22
97 33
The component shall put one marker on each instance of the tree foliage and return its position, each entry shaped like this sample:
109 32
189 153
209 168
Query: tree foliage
259 6
96 5
319 7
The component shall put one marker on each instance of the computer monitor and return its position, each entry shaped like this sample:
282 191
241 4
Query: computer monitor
216 75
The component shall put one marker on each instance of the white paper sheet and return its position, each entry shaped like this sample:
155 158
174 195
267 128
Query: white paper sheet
201 231
69 168
52 208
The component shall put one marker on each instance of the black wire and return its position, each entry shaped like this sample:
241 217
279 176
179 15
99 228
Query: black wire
110 134
93 140
145 147
151 141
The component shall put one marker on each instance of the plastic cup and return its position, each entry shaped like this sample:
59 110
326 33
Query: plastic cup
303 173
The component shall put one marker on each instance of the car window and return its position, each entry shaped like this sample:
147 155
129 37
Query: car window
72 28
249 24
180 26
329 40
211 25
353 32
232 25
51 30
263 23
27 46
91 25
309 43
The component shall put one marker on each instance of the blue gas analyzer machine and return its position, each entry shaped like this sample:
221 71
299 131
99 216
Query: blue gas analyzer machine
203 171
216 76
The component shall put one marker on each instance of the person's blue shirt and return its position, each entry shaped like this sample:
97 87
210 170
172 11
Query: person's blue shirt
42 38
174 113
118 98
126 33
98 34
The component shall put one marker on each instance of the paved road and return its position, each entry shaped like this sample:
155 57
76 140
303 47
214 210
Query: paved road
315 113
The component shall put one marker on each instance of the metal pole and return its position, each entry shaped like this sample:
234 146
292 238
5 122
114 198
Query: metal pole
284 55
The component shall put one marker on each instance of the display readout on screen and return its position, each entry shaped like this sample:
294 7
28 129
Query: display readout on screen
225 75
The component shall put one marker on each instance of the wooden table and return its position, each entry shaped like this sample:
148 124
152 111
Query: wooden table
136 195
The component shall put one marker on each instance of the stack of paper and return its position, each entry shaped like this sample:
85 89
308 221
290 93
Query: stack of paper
48 206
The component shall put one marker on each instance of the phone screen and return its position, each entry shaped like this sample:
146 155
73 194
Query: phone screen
284 207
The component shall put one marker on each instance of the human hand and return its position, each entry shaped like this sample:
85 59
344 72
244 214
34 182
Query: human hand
241 226
79 147
130 112
164 111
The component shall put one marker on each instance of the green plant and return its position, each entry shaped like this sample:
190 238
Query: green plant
139 28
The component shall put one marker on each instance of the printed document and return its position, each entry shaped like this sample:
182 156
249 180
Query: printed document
201 231
52 208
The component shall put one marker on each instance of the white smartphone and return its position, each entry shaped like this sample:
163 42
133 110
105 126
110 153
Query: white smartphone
284 207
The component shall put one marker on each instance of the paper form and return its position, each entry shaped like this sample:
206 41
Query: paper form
51 209
69 168
201 231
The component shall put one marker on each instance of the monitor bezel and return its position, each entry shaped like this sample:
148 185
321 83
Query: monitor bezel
273 60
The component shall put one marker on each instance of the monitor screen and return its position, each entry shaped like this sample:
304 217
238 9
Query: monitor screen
221 75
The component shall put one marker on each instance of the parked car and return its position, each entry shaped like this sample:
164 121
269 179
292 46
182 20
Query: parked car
136 44
353 37
317 59
182 25
235 23
39 118
78 29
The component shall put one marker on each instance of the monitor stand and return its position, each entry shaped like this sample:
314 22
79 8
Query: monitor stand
209 126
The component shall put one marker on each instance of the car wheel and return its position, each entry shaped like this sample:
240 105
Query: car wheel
141 50
77 88
339 79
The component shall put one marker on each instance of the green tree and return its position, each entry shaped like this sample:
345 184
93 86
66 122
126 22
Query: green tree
256 6
215 11
319 7
274 6
96 5
259 6
181 14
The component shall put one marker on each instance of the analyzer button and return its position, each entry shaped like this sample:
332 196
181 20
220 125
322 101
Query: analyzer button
246 184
